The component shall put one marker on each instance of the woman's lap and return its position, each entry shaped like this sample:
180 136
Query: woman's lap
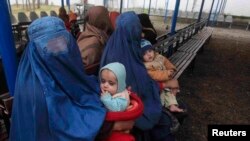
160 132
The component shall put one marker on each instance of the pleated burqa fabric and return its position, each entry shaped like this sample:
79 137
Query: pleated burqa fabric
124 46
54 99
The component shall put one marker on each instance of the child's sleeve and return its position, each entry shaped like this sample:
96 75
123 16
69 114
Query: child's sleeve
114 104
159 75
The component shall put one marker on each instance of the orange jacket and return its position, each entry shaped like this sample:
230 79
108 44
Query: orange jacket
159 68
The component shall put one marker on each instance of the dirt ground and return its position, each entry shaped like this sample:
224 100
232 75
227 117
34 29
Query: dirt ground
217 91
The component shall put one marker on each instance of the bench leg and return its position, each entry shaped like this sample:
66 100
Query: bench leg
209 38
192 65
202 48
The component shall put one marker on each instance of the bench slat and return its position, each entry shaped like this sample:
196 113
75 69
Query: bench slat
181 60
196 42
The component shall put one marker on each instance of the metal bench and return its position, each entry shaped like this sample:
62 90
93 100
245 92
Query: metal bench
43 14
220 19
196 43
22 17
181 60
184 45
53 13
23 23
33 16
229 20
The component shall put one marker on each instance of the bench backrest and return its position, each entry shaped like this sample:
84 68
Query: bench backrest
229 19
13 19
221 18
22 17
33 16
200 25
163 46
167 44
53 13
43 14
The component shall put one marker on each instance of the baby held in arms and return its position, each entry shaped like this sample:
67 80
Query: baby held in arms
114 94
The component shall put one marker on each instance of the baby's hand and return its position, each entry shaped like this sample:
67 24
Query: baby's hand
129 107
103 92
129 88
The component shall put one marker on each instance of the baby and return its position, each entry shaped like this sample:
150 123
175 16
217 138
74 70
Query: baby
114 94
161 70
116 97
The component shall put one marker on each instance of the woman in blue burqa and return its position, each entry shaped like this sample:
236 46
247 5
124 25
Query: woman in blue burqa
54 99
124 47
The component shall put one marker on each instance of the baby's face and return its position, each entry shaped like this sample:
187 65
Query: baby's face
149 55
108 82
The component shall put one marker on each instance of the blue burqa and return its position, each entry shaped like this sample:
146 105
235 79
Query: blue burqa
54 99
124 46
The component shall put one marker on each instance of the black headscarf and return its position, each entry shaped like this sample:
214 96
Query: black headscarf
148 28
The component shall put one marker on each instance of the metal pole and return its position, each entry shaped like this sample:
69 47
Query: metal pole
200 13
194 3
186 8
216 11
224 5
10 11
166 12
219 10
121 6
174 17
105 3
62 2
7 47
143 6
222 1
68 4
149 7
210 12
174 20
156 4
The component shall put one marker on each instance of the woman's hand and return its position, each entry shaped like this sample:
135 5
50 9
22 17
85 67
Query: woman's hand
123 125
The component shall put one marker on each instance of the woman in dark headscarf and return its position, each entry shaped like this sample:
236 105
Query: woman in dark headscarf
124 47
54 99
98 28
148 29
65 17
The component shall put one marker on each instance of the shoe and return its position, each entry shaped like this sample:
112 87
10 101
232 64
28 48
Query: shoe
175 125
175 122
183 114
